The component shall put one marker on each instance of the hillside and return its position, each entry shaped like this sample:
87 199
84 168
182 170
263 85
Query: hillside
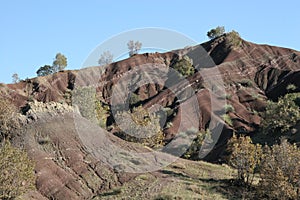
77 159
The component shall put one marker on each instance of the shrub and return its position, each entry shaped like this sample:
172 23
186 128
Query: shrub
85 98
255 96
234 39
291 87
216 32
169 125
8 120
102 112
280 171
228 96
68 96
89 106
227 119
134 99
16 172
140 126
246 82
228 108
281 116
195 147
245 157
184 66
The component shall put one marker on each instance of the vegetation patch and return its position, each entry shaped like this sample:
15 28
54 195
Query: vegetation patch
16 172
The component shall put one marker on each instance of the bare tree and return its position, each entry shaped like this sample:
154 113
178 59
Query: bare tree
134 47
106 58
15 78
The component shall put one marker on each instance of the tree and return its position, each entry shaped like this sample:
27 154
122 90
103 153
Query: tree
59 63
216 32
105 58
134 47
45 70
16 172
15 78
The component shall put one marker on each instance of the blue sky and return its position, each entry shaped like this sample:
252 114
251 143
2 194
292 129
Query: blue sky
33 31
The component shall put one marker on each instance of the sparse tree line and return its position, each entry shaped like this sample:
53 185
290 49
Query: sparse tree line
60 62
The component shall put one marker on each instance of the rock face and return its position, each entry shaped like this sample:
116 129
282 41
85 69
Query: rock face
250 75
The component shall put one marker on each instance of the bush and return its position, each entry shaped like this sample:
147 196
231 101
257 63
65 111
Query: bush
17 172
228 108
246 82
89 106
228 96
85 98
140 126
281 116
216 32
8 119
245 157
195 147
291 87
134 99
278 167
227 119
280 172
102 112
234 39
184 66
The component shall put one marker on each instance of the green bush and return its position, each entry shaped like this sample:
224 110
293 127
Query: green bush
140 126
280 172
134 99
227 119
291 87
234 39
16 172
228 96
89 106
281 116
228 108
246 82
85 98
102 112
184 66
195 147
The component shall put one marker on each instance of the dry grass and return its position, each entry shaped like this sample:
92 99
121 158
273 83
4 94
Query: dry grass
180 180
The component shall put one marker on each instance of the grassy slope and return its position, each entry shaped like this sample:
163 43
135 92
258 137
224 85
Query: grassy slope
181 180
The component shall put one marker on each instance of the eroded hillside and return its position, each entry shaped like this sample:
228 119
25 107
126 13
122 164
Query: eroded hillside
76 159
